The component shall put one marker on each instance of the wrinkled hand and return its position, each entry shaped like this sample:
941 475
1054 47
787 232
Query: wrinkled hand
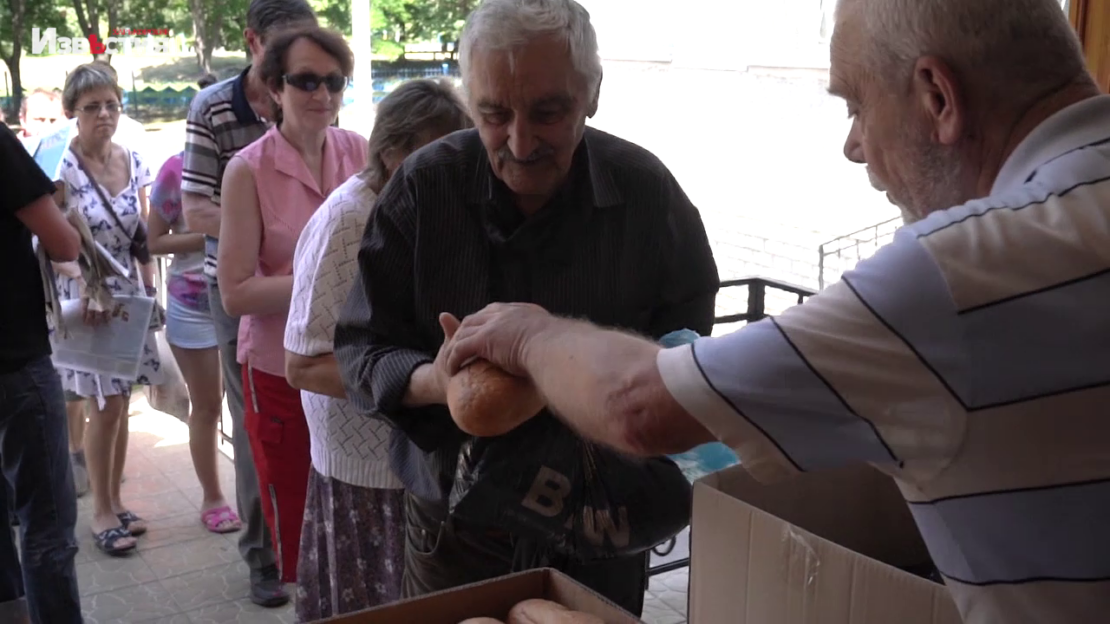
93 317
499 334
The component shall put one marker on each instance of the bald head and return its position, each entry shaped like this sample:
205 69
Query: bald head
1000 48
940 92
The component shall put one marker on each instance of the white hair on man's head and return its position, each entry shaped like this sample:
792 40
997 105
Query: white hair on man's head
1000 47
508 24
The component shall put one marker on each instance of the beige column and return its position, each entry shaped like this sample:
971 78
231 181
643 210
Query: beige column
360 115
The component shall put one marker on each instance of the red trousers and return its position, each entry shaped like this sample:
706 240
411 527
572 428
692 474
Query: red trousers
278 433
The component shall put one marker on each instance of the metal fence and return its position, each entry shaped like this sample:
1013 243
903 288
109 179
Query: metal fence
765 297
844 252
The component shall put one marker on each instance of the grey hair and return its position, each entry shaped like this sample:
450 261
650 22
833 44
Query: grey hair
509 24
413 112
1002 48
85 78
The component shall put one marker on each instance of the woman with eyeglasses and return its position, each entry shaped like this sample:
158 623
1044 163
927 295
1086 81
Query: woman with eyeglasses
270 190
105 183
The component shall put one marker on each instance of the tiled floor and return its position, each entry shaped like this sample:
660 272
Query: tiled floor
182 574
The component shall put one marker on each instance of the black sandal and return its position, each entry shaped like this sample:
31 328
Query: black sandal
127 518
106 541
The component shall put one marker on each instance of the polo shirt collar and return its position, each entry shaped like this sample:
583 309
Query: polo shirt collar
240 105
603 186
1080 125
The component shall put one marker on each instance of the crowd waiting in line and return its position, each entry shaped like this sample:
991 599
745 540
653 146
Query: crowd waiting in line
329 285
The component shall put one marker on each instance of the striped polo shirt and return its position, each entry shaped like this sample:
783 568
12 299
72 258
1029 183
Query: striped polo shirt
221 122
970 360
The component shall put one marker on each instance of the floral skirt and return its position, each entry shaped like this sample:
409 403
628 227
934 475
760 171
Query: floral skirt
352 548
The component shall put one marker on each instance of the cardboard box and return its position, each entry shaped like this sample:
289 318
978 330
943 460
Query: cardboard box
811 550
492 598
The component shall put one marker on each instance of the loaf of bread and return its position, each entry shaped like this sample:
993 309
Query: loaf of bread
486 401
536 611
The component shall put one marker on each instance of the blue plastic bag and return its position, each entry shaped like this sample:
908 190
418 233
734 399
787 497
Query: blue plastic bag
707 458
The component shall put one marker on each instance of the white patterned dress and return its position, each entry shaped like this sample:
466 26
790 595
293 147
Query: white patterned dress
82 197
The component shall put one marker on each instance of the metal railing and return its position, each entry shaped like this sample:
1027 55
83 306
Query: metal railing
758 288
757 298
843 252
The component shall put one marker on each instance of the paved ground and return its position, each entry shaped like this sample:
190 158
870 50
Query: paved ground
183 574
180 573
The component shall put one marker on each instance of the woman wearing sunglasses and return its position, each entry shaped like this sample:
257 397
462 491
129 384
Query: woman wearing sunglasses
353 548
270 190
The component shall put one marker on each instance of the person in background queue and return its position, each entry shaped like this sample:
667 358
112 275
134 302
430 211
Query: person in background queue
131 135
224 119
535 206
967 359
105 184
356 507
191 335
273 187
41 109
130 132
33 445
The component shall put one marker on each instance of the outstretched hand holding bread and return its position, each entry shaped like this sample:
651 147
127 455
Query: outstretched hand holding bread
484 400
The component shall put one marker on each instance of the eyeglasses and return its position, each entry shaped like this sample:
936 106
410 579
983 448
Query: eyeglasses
309 82
95 108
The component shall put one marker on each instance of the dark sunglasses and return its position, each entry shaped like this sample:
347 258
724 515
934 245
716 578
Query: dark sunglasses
309 83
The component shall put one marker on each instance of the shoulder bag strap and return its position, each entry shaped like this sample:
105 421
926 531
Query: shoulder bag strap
102 196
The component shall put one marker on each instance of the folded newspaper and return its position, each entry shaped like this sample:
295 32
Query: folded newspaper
94 265
113 349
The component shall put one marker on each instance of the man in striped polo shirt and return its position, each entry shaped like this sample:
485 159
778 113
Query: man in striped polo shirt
223 119
969 359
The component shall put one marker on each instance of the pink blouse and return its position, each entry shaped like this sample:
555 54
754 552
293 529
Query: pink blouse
287 197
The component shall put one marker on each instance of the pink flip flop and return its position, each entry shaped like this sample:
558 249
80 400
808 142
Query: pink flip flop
213 518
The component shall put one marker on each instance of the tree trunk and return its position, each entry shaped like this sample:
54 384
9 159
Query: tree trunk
113 26
18 9
203 42
17 85
88 22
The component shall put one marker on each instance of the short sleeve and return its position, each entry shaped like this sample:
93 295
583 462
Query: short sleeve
200 170
829 383
141 174
20 176
325 268
73 180
165 194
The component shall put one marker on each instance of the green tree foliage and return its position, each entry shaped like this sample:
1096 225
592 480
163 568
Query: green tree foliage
17 18
334 14
396 23
213 24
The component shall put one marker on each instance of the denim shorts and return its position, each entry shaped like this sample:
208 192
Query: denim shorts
188 328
